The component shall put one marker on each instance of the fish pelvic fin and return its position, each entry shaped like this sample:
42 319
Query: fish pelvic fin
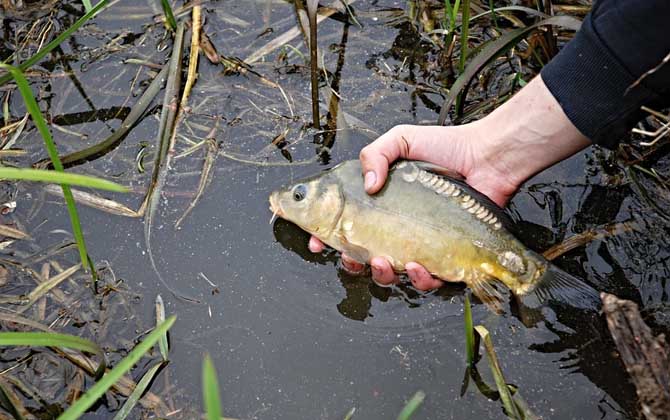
483 286
557 286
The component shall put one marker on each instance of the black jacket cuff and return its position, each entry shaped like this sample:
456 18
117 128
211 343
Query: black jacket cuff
592 87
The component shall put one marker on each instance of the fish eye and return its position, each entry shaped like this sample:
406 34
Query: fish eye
299 192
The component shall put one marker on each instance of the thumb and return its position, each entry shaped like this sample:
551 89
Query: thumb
379 155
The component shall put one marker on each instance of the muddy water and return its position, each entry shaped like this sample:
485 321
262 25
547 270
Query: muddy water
291 334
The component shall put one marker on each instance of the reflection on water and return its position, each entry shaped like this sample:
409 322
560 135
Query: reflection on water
359 288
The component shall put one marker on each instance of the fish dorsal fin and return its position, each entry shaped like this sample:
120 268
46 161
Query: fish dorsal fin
471 200
482 286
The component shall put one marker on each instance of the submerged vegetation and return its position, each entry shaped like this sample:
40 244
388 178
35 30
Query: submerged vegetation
473 55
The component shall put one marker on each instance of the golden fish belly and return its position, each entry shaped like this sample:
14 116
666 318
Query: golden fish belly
363 232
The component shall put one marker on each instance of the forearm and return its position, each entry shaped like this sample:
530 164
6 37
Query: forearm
529 133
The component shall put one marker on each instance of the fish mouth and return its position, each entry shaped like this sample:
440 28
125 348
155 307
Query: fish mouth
275 207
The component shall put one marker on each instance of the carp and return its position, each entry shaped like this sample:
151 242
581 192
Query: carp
438 221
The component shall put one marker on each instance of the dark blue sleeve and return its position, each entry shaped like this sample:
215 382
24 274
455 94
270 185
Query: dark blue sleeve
619 41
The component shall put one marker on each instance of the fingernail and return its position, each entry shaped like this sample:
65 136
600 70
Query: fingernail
370 179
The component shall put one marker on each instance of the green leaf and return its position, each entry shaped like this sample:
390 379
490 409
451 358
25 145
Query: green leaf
41 124
210 390
469 331
54 177
45 339
49 339
142 385
169 16
97 390
87 5
412 405
57 41
505 395
493 50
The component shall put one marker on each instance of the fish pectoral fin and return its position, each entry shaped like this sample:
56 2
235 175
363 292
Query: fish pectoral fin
440 170
355 252
484 287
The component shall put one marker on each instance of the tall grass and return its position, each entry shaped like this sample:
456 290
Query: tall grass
491 51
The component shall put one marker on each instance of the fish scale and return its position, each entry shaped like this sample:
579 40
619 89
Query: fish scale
445 188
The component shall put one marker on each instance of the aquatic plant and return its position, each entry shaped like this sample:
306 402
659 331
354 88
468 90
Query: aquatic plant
169 15
511 408
314 68
470 349
110 377
412 405
210 389
41 124
55 177
492 50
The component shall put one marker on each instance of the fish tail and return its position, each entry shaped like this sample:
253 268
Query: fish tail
560 287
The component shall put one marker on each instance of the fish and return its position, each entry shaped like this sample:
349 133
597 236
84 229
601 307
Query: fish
424 215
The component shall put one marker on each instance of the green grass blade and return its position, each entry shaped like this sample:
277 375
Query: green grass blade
169 16
493 50
505 395
412 405
97 390
160 318
448 23
210 390
44 339
53 177
469 332
142 385
87 5
49 339
494 15
57 41
41 124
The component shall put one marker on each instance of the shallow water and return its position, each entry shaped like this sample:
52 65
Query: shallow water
291 334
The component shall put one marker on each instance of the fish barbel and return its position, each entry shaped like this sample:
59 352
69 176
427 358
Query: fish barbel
455 232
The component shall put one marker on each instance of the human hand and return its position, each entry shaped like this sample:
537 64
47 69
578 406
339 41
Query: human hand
495 155
450 147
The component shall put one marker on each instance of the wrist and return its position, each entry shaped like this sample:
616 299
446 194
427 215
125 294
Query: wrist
527 134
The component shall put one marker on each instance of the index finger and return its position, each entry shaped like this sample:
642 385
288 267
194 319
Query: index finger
380 154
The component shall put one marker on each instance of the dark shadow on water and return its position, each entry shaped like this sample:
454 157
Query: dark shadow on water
359 288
